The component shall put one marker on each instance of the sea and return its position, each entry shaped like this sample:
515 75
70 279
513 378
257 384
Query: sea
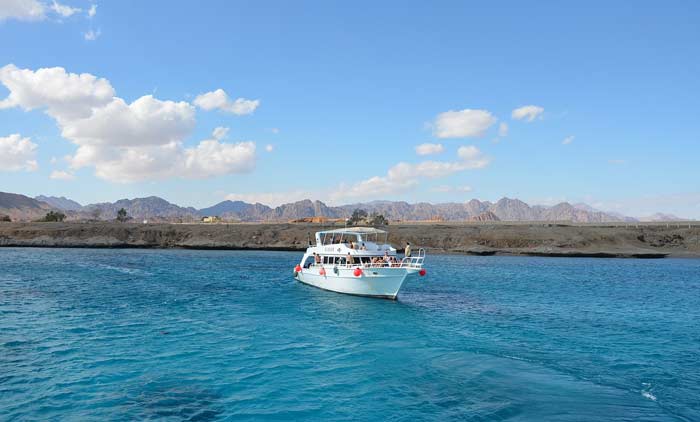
128 334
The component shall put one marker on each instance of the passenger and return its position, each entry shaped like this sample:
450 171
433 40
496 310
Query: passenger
352 245
363 248
317 258
386 258
349 259
407 251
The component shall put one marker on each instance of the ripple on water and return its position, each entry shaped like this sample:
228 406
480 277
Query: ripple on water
211 335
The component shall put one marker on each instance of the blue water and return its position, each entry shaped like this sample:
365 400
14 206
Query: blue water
213 335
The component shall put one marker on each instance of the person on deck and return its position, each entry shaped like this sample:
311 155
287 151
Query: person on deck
317 258
350 260
407 251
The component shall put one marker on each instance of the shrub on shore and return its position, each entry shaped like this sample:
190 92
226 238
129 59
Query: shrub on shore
53 216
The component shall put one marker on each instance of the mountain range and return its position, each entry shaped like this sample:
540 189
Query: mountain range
153 208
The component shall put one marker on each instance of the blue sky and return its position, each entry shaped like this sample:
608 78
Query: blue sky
346 92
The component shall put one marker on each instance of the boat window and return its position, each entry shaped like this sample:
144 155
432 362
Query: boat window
309 260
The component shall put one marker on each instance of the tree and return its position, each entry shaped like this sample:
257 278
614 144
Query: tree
357 216
122 216
54 216
378 220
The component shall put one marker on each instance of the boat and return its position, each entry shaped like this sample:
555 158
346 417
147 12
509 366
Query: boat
357 261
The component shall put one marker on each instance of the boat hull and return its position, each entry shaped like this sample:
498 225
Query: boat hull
374 282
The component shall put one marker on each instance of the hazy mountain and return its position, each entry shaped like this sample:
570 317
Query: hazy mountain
151 207
238 210
60 202
20 207
485 216
662 217
157 209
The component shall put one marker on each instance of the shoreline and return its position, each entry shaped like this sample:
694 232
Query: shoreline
518 239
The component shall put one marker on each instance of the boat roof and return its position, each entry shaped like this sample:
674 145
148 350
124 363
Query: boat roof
354 230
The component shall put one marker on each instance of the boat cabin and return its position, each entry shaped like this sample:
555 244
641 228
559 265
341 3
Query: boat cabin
360 245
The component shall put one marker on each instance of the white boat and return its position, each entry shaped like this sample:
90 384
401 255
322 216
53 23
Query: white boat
357 261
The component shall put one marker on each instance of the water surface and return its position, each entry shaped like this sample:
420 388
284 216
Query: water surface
214 335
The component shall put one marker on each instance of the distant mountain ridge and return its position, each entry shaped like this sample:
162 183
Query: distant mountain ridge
154 208
60 202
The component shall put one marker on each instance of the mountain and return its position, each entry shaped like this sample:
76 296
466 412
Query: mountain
485 216
238 210
23 208
662 217
152 207
60 202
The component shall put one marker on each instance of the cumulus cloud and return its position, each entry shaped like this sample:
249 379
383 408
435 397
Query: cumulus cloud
463 123
63 95
23 10
92 11
405 176
274 130
124 142
64 10
269 148
61 175
17 153
220 100
527 113
214 158
568 140
428 149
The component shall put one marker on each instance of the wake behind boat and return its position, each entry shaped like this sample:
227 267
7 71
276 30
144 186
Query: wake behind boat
357 261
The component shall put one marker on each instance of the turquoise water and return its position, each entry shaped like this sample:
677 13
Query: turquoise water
212 335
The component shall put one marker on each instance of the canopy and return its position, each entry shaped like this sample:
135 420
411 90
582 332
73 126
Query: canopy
354 230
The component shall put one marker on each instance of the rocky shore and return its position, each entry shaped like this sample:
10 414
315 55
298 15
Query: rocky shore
556 240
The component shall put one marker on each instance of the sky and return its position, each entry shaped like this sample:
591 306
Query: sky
272 102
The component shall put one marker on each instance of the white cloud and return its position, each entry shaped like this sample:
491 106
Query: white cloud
274 130
449 189
463 123
124 142
503 129
64 10
269 148
61 175
428 149
92 35
23 10
272 199
64 95
92 11
213 158
405 176
220 132
220 100
568 140
527 113
17 153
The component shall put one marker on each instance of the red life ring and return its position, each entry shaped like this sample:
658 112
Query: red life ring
357 272
322 272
